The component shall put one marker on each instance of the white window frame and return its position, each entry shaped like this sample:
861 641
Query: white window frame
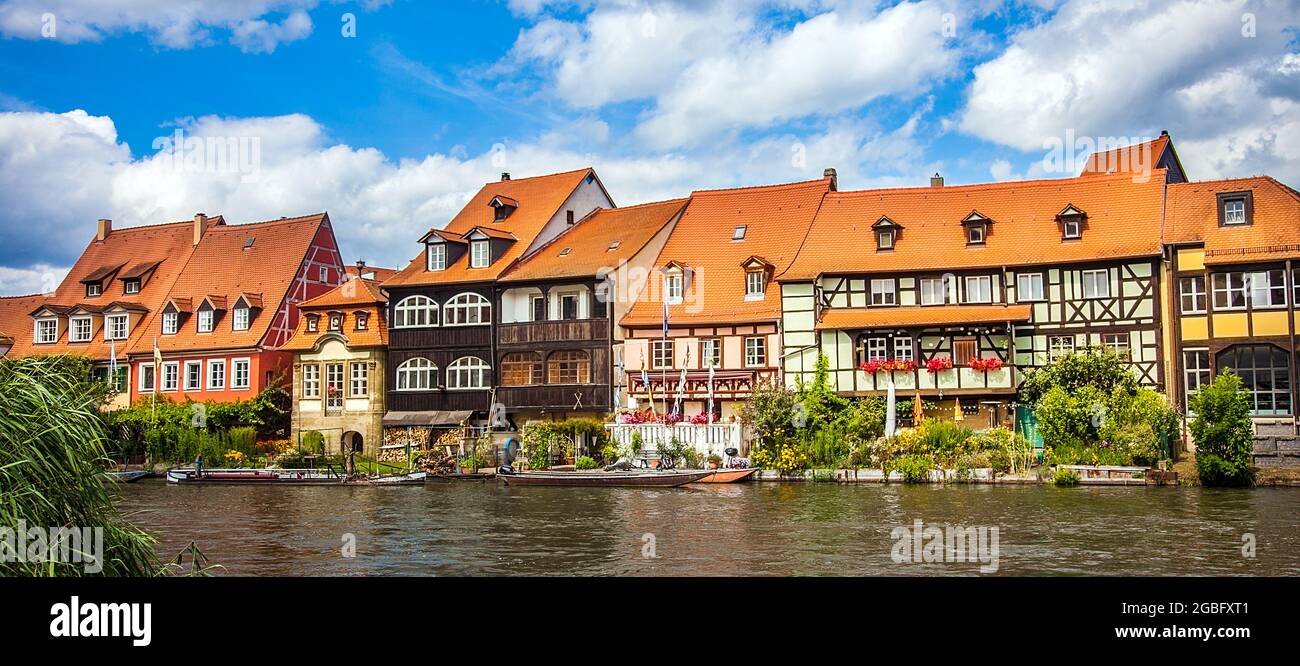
975 234
1223 284
410 310
755 285
235 384
311 381
76 336
40 329
904 348
1200 376
1072 229
240 319
324 274
1037 288
422 370
1268 291
673 288
128 284
172 368
110 324
927 286
212 365
885 239
94 289
753 351
198 377
877 349
171 323
1091 287
1056 347
456 311
205 324
147 372
1192 287
659 350
480 254
476 372
437 256
1234 212
335 375
886 289
710 349
982 291
359 380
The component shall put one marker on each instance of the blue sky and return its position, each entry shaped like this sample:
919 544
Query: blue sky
391 130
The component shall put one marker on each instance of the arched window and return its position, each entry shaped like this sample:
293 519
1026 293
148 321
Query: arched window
417 374
521 369
467 310
1265 371
415 311
469 372
568 367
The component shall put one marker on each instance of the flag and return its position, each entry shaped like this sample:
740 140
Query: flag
665 317
112 358
681 393
157 360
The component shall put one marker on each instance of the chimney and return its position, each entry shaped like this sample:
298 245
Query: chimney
936 180
105 228
505 175
200 226
835 180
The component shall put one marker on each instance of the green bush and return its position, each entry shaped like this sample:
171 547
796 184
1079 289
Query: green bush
586 462
915 468
945 438
1222 431
1066 478
1095 368
1065 418
313 442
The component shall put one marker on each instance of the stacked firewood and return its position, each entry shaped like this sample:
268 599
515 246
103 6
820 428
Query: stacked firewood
437 462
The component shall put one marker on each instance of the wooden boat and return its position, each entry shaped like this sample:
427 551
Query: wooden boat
245 475
412 479
729 475
472 476
645 479
128 477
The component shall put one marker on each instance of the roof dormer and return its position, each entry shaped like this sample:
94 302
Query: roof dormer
1072 221
887 232
134 278
758 273
976 226
677 281
502 206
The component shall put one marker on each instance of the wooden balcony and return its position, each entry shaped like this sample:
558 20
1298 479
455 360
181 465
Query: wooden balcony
594 397
541 332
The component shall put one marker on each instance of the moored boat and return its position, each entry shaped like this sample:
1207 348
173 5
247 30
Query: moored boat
246 475
128 477
729 475
412 479
604 479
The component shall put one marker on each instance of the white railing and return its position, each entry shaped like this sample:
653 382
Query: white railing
707 439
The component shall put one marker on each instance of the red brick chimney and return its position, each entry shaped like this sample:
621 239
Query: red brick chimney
105 228
200 226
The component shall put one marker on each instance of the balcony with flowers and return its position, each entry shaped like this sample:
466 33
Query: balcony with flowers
938 374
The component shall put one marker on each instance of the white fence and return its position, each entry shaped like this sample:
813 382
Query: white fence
707 439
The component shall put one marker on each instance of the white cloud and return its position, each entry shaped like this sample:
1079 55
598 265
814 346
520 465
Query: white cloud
1134 67
39 279
177 24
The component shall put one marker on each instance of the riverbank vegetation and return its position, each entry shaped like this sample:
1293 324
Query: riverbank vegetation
545 443
1222 431
230 433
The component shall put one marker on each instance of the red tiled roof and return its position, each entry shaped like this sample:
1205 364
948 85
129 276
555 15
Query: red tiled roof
350 298
1127 159
371 272
539 198
1272 235
15 317
841 318
585 248
1124 219
775 217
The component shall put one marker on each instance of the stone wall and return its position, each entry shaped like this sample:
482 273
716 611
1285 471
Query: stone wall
1277 451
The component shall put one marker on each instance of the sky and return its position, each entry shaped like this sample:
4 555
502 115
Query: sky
391 114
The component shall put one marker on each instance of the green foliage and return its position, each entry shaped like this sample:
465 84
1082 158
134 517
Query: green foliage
1095 367
52 456
1066 478
769 412
1223 432
1065 417
313 442
945 438
915 468
586 462
821 404
179 431
543 440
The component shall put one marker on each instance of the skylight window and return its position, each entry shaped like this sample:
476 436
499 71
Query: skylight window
249 243
739 232
565 252
614 245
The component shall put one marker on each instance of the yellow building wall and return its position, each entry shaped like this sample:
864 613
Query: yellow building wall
1231 325
1195 328
1191 259
1271 324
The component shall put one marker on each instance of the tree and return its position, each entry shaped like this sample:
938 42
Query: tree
822 406
1100 368
1223 432
770 414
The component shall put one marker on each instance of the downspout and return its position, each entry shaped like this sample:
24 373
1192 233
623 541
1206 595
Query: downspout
1291 355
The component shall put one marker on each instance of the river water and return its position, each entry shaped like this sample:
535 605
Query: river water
483 528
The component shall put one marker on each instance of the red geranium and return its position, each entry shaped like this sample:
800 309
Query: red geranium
872 367
938 364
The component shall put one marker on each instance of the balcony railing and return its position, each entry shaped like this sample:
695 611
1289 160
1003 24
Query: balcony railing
707 439
572 330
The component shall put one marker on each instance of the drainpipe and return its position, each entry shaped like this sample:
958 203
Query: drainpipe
1291 355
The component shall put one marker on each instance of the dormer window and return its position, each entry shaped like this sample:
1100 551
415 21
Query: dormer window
171 322
79 329
755 284
313 323
886 233
975 235
117 327
1071 220
336 321
673 288
479 254
738 234
47 331
94 289
1236 208
437 256
363 321
131 286
1071 229
504 206
977 228
205 320
240 319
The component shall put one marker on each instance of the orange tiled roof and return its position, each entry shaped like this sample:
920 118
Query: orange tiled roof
167 245
945 315
371 272
351 297
1124 159
15 317
588 242
222 267
1124 219
539 198
1272 235
776 218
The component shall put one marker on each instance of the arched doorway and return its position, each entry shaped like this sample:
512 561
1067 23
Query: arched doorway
353 442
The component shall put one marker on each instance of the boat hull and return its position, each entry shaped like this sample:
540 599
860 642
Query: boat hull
604 479
729 475
253 476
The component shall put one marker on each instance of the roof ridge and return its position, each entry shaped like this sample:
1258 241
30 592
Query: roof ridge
282 220
996 184
538 176
586 219
807 232
751 188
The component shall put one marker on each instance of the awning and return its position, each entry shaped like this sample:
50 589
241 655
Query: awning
434 418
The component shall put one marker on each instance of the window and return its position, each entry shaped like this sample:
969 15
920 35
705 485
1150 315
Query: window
469 372
521 369
568 367
193 375
131 287
1265 372
903 350
979 289
885 239
171 376
336 321
1230 291
324 274
240 373
1071 229
1029 287
568 307
710 353
115 382
673 288
1191 294
437 256
47 331
1118 343
147 377
755 352
1236 208
1059 346
934 291
313 323
538 307
1267 289
171 322
963 350
1234 211
79 329
417 374
363 321
738 233
877 349
333 385
975 234
882 293
467 310
94 289
311 381
415 312
1096 284
205 321
661 354
479 254
240 320
216 375
755 284
116 326
1196 371
568 216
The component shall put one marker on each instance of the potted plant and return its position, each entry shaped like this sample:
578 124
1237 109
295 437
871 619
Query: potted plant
469 464
715 460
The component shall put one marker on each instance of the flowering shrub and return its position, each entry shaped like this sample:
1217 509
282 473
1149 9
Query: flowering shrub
938 364
785 457
700 419
234 456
